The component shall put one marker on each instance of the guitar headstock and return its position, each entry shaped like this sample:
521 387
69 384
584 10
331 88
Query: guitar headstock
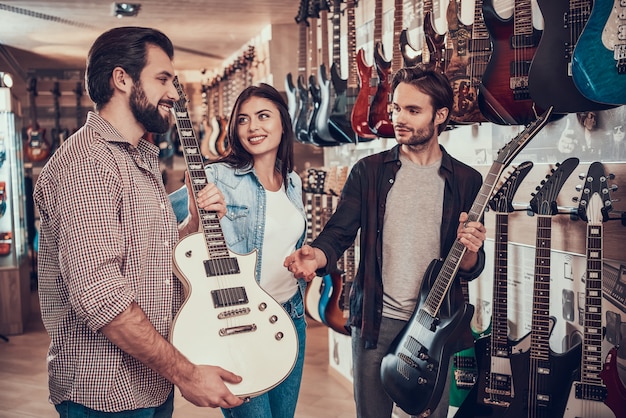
315 179
515 146
502 201
181 104
303 12
595 200
544 200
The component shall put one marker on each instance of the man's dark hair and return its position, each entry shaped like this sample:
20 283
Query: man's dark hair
123 47
238 156
432 83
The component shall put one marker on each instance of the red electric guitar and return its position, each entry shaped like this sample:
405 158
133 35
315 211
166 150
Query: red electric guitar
379 114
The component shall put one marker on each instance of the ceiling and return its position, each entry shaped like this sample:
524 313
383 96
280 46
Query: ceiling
57 34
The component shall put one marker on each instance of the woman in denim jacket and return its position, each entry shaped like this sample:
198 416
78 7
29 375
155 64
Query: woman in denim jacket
264 211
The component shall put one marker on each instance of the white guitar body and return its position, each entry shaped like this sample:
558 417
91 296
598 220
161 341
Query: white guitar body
254 338
583 408
312 298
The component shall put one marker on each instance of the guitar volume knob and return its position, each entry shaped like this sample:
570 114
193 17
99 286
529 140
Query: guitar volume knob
262 306
279 336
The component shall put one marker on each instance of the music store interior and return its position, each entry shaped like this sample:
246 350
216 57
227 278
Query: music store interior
554 71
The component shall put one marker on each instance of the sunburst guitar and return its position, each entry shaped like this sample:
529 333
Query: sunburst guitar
227 319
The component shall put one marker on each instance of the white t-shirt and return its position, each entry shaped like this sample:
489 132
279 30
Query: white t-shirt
283 227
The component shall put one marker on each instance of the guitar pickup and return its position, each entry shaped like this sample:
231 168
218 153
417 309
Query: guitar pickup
224 332
590 392
221 266
229 297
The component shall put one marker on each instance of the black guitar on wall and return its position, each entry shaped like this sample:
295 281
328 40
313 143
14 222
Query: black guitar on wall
494 390
415 369
542 378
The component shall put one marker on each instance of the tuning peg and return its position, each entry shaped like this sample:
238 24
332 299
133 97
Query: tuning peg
582 176
611 176
613 187
575 199
579 187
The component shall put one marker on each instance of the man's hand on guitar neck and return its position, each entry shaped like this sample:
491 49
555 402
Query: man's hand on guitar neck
471 235
304 262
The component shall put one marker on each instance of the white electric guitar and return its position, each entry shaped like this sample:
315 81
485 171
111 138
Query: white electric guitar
227 319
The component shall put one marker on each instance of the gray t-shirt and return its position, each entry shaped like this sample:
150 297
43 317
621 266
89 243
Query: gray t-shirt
411 235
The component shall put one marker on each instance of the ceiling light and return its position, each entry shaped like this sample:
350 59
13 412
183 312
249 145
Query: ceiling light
6 80
121 10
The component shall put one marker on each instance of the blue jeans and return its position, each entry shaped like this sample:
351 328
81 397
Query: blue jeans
279 402
371 399
68 409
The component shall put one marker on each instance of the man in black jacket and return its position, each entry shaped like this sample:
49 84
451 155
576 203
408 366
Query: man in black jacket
410 205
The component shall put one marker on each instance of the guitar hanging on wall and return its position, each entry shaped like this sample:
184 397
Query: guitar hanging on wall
36 146
542 378
599 62
58 134
550 76
415 369
588 394
237 315
494 390
504 97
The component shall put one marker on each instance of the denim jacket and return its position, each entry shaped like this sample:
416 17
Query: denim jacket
244 223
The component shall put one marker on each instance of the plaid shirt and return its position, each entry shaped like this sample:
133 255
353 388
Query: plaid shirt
106 240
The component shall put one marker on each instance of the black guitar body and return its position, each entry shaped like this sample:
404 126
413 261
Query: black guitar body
550 78
415 369
301 127
475 405
314 135
563 370
292 98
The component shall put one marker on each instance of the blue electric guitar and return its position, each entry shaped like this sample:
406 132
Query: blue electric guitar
599 62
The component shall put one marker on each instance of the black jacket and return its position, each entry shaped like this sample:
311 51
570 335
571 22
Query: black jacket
362 205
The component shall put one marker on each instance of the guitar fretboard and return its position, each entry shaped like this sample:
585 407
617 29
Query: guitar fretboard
592 340
219 262
539 340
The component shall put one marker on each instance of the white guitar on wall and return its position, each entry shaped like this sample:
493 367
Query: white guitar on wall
227 319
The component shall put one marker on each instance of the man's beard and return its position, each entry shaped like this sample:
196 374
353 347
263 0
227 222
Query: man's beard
421 136
147 114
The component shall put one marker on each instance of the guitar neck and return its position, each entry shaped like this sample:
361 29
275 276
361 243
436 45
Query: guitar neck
540 336
499 327
592 348
214 237
451 264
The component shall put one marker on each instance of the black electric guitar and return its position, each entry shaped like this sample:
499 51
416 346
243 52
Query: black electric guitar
333 88
550 76
58 134
226 316
542 378
415 369
494 390
588 393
